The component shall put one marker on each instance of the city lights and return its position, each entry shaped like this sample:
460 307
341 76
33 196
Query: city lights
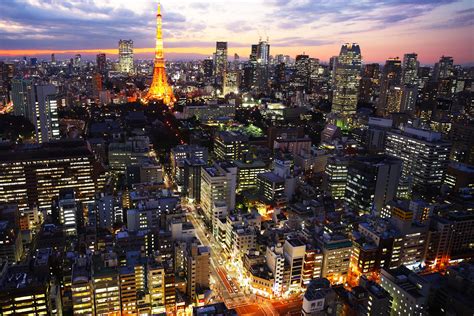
264 168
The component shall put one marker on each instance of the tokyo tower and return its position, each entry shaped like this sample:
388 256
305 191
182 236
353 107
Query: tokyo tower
159 90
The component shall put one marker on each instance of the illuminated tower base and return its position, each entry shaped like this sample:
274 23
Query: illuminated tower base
159 90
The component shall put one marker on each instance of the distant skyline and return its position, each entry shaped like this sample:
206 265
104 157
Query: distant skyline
382 28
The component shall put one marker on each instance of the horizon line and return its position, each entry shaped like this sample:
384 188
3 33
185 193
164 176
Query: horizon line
201 51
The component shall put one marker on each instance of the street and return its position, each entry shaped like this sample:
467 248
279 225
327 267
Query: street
223 280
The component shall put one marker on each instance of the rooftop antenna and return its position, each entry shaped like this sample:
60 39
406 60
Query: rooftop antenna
266 35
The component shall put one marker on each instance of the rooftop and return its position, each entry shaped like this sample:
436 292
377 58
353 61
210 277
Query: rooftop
271 177
18 277
232 136
50 151
407 280
295 242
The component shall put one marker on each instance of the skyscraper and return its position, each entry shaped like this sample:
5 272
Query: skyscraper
372 182
220 61
335 177
126 56
261 65
346 88
302 71
256 71
21 92
263 52
369 83
159 90
231 82
101 62
444 68
410 69
401 99
391 76
38 104
77 61
425 155
207 67
44 112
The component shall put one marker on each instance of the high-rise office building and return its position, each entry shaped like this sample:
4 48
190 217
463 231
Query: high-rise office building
192 178
271 188
21 94
410 69
372 182
11 244
101 61
337 251
106 285
231 82
263 52
391 76
379 301
107 211
38 104
425 155
450 238
302 70
24 292
335 177
183 152
401 99
218 187
369 83
332 69
377 133
409 97
346 84
231 146
408 290
156 286
247 174
424 76
68 216
82 287
77 60
126 56
220 61
96 84
256 71
412 233
33 176
207 67
198 271
132 282
393 100
44 104
443 69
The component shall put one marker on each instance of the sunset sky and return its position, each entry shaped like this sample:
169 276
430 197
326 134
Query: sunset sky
191 28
